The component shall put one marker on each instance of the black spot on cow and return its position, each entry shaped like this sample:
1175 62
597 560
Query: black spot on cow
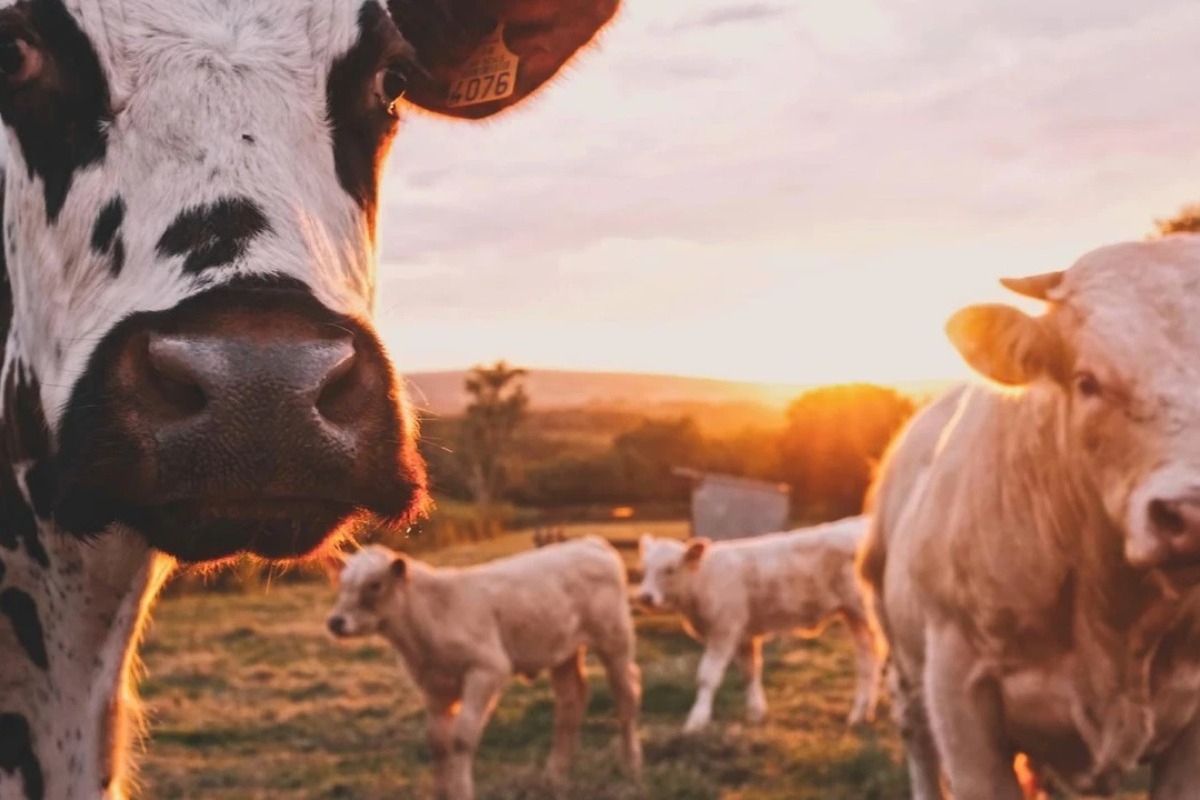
213 235
24 438
22 613
17 756
17 523
3 569
106 238
61 117
362 128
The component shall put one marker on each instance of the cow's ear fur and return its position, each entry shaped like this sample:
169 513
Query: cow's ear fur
1004 344
399 567
447 35
695 550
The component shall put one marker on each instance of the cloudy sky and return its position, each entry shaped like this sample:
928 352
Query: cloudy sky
790 190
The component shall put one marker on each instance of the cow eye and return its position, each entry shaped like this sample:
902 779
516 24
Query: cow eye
390 85
1086 384
20 62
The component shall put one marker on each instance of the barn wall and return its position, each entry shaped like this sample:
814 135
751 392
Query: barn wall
723 510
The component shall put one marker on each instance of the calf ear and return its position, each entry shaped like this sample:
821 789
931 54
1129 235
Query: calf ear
399 567
482 56
1005 344
696 548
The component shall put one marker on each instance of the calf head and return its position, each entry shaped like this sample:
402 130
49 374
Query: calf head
366 581
1118 351
189 228
668 565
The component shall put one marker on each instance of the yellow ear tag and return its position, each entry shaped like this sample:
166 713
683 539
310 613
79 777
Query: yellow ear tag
489 74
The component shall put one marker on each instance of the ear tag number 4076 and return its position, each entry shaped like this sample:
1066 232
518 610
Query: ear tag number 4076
489 74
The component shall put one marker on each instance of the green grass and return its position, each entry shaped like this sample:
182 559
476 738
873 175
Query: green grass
248 697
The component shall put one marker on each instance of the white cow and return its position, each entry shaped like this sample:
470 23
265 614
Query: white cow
1033 558
732 594
463 633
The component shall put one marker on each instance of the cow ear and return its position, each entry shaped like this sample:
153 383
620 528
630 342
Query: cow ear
1004 344
399 567
696 548
478 57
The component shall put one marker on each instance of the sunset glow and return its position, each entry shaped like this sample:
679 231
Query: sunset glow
785 192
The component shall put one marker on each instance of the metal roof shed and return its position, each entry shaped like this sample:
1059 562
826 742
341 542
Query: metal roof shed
730 507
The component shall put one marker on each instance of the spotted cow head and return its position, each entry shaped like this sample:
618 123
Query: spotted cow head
190 237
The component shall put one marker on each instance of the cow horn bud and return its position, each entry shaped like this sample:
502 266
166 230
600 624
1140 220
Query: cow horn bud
1039 287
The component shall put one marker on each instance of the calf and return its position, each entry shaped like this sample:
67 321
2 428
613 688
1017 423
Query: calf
732 594
462 633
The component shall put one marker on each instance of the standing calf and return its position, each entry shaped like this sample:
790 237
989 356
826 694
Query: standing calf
462 633
732 594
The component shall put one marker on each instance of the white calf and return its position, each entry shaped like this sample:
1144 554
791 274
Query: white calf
462 633
732 594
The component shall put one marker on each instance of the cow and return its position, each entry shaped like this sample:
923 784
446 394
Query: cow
733 594
463 633
190 196
1033 558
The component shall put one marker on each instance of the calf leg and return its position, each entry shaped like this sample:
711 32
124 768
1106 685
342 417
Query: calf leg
964 707
1177 771
570 702
481 688
750 659
717 654
625 681
440 730
868 671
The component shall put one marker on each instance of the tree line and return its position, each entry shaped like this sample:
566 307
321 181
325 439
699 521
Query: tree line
569 461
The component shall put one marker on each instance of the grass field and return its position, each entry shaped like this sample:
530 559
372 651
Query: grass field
248 697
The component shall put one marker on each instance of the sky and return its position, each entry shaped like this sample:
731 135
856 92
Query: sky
787 190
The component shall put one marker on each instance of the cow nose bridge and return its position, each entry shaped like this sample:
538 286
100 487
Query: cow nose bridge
195 372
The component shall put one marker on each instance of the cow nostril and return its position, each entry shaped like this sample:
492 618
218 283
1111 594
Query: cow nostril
170 376
340 397
1166 517
337 626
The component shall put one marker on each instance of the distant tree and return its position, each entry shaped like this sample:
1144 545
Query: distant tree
497 407
1186 220
833 437
648 454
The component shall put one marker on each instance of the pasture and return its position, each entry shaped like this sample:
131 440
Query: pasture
250 698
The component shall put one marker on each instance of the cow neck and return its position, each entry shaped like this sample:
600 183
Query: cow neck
67 693
1111 618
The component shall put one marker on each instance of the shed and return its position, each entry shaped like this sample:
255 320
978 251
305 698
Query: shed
730 507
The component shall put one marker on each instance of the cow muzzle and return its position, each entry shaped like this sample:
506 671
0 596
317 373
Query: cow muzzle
1168 536
250 421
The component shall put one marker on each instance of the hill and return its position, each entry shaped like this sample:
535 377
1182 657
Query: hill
441 393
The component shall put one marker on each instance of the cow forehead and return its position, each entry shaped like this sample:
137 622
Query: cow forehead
364 566
661 552
131 34
1134 299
